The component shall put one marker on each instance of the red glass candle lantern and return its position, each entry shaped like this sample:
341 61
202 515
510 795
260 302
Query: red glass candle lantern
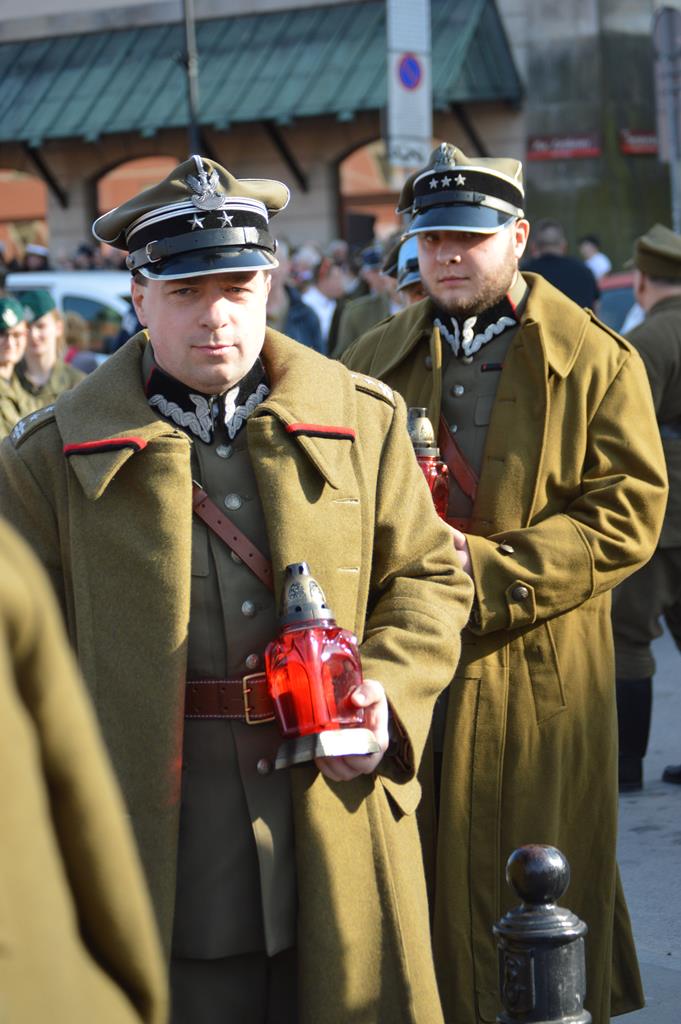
312 669
428 457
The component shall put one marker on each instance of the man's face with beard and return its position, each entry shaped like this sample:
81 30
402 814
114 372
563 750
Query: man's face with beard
466 273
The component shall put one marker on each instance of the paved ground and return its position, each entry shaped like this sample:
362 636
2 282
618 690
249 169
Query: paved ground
650 852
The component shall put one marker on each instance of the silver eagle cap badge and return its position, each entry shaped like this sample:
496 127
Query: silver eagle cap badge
204 187
446 155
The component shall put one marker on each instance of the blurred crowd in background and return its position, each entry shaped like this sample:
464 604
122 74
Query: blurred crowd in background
323 296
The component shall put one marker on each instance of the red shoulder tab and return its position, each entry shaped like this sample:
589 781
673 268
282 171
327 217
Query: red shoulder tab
321 430
112 444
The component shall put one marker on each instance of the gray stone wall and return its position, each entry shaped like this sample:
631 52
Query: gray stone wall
588 68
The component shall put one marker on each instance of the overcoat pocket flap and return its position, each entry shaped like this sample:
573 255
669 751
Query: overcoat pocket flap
405 795
542 663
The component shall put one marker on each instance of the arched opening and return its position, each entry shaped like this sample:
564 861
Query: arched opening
367 196
23 214
369 193
127 179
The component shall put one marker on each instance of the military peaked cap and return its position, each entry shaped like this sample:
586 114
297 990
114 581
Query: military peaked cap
658 253
198 220
408 270
459 193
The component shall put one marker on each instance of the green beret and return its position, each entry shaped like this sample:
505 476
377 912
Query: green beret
199 220
658 253
454 192
11 313
36 303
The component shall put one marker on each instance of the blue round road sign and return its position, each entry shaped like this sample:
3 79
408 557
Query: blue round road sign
410 71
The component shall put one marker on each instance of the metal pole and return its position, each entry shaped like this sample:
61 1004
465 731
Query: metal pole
542 975
672 127
192 69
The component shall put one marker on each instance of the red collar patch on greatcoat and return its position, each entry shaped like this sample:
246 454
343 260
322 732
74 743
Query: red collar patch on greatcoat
112 444
320 430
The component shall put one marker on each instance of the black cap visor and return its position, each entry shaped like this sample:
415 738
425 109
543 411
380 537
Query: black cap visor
478 219
222 260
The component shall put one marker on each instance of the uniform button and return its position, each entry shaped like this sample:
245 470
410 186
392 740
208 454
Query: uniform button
264 766
453 427
428 362
520 593
467 360
252 661
235 558
233 502
248 609
458 390
506 548
224 450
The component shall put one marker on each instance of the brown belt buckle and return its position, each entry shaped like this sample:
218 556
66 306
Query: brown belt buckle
245 690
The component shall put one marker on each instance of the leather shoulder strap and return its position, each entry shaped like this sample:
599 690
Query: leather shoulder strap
223 527
457 463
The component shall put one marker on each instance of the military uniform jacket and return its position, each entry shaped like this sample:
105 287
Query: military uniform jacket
102 488
570 501
62 377
14 403
357 317
658 342
78 939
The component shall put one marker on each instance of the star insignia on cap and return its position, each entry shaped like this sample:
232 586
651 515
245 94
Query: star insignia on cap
460 180
446 181
226 219
197 222
433 182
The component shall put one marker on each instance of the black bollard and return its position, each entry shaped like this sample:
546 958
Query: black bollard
542 976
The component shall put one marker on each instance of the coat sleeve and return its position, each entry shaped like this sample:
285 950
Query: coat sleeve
419 598
89 821
610 529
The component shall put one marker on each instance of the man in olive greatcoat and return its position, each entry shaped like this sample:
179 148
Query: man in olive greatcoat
655 590
558 490
78 939
260 877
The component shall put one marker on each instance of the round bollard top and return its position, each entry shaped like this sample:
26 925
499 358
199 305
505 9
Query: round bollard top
539 874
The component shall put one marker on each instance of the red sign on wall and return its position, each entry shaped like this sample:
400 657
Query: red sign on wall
563 147
638 143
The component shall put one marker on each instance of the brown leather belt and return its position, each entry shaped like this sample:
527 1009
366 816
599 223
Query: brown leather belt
244 700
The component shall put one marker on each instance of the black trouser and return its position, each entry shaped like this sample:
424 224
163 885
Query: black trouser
248 989
638 604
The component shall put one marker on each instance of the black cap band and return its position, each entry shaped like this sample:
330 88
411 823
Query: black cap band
161 249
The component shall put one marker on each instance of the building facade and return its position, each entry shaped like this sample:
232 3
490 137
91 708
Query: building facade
294 89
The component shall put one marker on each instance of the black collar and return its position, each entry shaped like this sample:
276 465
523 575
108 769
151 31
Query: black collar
197 412
466 337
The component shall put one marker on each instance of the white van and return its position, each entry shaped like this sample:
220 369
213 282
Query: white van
92 293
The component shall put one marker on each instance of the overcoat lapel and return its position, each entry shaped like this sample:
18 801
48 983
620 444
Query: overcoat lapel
133 651
538 359
315 475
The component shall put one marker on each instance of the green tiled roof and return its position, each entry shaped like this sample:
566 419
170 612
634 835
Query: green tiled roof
277 67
